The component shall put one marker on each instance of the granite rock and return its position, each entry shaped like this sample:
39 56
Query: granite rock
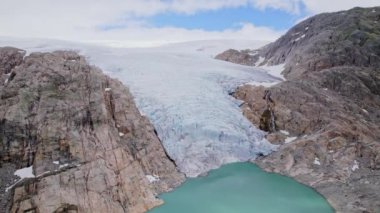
333 116
89 147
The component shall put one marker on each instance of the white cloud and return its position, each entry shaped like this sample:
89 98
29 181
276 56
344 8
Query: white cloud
314 6
145 36
83 19
291 6
319 6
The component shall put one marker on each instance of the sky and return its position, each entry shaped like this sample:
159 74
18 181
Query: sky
155 22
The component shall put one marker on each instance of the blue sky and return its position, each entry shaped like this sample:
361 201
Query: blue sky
228 18
155 22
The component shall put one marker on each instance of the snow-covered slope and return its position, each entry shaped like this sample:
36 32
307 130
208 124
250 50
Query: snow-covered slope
185 94
210 48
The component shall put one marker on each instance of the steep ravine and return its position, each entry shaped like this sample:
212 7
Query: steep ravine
79 137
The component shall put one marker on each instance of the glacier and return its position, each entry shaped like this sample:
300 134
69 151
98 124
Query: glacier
185 93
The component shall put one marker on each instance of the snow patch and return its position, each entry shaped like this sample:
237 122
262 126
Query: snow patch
355 166
290 139
44 173
211 48
152 178
325 89
56 162
121 134
261 60
365 111
275 70
374 11
253 52
297 33
11 186
316 161
284 132
299 38
264 84
63 166
7 79
26 172
107 89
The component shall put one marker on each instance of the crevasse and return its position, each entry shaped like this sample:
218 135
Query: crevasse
185 94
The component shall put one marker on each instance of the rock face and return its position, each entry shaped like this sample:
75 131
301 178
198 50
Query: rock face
348 38
239 57
329 105
337 125
89 148
335 119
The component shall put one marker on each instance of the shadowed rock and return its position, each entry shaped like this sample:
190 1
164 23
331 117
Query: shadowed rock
330 105
90 148
337 125
346 38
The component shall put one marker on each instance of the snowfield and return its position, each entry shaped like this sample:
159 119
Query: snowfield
185 94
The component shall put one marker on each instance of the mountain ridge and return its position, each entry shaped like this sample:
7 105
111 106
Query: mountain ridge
326 113
345 38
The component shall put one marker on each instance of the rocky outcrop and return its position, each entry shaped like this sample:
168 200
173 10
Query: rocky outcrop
334 118
239 57
9 58
89 148
346 38
329 107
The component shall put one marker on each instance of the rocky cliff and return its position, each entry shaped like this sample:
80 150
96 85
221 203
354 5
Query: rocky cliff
333 121
327 116
76 138
346 38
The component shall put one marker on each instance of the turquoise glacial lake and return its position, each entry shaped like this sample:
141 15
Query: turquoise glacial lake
242 188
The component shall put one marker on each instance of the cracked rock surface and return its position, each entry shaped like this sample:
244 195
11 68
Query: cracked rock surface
88 145
335 124
329 105
345 38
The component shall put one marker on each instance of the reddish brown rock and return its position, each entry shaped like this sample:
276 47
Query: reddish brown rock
337 125
90 148
238 57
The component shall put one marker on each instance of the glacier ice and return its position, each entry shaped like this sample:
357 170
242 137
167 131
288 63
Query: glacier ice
186 95
26 172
